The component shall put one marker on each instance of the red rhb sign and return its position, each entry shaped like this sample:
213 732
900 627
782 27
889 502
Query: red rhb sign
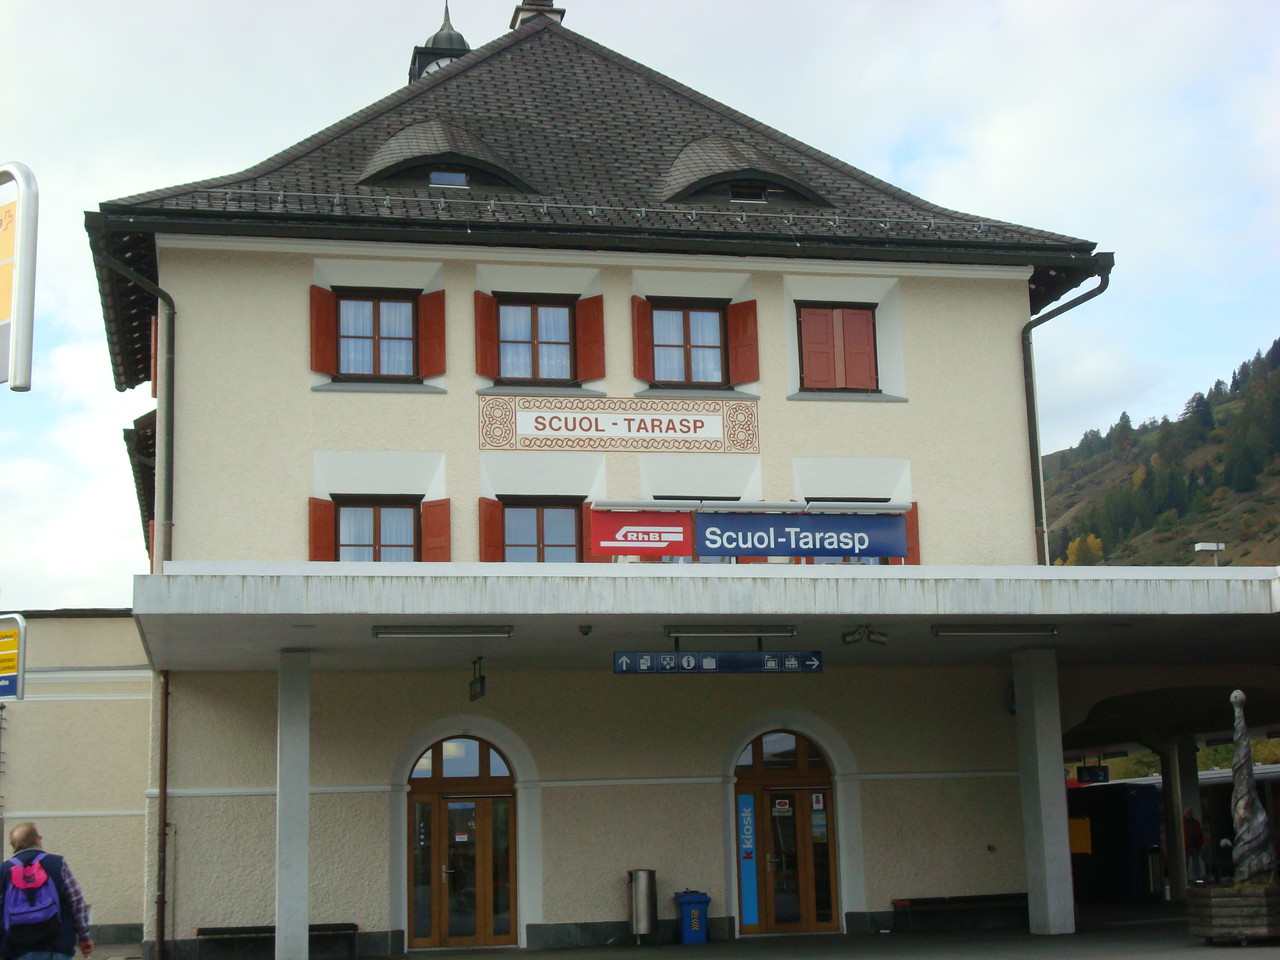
647 534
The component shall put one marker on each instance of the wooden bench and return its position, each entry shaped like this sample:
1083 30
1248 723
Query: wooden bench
325 940
993 911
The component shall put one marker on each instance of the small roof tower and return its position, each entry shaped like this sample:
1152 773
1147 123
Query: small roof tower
445 46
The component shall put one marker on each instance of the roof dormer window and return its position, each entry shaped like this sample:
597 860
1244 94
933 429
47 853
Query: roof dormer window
449 177
748 191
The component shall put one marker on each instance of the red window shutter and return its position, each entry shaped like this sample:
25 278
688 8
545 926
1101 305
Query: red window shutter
492 538
744 350
589 334
587 555
155 355
431 334
434 534
913 539
487 364
859 328
324 331
642 338
752 560
323 528
818 349
913 535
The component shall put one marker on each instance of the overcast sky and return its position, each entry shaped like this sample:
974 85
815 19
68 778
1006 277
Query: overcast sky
1149 126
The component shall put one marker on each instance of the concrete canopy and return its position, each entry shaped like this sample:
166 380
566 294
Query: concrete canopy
240 616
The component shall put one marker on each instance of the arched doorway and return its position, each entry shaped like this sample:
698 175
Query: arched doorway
787 878
461 861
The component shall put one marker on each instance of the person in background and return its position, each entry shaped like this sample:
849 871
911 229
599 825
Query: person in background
74 929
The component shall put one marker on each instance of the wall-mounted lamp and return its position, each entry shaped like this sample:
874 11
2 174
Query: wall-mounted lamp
994 630
735 630
442 632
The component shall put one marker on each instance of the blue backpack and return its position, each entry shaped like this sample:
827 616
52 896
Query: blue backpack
32 910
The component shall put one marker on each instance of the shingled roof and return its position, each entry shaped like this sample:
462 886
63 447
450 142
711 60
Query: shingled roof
594 147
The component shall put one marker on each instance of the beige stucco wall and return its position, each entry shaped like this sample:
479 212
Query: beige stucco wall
248 421
75 755
631 774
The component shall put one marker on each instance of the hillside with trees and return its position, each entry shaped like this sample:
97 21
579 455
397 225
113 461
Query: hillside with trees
1145 494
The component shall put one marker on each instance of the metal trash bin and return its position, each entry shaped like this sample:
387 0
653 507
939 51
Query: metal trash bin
693 915
644 902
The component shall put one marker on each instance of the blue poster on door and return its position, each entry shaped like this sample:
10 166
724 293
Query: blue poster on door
747 889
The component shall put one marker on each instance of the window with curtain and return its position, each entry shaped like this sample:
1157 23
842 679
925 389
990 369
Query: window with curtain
535 341
542 532
384 533
376 336
688 344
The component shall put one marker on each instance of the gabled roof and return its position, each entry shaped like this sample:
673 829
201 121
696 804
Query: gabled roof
599 143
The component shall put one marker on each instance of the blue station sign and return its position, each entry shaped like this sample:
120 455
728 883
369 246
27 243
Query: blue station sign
718 661
800 535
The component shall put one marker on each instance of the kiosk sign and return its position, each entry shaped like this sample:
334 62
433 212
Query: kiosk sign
801 535
13 636
17 276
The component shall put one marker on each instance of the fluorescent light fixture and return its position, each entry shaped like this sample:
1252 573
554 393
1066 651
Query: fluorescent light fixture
442 633
734 630
994 630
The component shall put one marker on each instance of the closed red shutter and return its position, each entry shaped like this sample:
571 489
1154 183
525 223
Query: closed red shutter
817 349
324 331
492 538
323 529
487 364
589 334
859 328
434 534
751 560
642 338
744 350
588 556
431 334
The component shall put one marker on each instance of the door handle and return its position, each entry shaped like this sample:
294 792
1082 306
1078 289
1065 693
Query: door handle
444 871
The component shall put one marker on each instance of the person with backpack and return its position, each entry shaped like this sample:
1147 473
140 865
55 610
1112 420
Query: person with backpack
44 913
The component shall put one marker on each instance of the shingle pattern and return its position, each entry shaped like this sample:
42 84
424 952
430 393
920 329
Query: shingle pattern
599 134
717 156
434 138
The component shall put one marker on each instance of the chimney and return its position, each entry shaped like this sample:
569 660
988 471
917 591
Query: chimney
532 8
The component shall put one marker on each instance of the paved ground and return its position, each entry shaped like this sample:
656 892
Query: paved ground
1155 933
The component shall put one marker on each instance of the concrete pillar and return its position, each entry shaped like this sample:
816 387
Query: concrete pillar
1050 900
1189 781
1171 804
293 805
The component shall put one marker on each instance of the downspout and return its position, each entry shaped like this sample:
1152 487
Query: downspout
160 553
1104 262
162 814
164 550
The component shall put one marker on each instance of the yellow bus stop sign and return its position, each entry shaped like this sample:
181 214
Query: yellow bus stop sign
13 636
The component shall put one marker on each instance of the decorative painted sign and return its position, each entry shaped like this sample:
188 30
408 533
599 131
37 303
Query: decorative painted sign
801 535
619 424
642 533
718 661
747 859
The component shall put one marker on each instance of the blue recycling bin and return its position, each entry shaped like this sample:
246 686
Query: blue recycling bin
693 915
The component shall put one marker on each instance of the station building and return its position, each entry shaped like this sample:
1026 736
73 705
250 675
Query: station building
557 473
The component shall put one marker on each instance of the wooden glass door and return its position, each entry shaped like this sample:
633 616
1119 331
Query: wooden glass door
461 857
786 864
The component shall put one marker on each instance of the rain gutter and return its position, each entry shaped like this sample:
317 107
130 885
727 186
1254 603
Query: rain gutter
1104 263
